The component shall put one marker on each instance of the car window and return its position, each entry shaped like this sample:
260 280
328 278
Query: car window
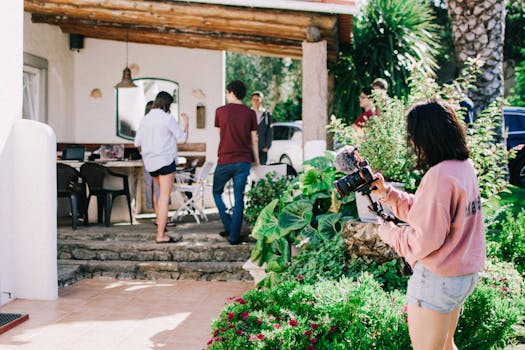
515 122
281 132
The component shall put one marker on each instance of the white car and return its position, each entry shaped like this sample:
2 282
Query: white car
287 144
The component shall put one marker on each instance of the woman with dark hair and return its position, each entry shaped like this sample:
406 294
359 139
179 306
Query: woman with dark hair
444 241
366 102
157 136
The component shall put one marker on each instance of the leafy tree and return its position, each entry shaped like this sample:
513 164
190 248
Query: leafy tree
279 79
391 37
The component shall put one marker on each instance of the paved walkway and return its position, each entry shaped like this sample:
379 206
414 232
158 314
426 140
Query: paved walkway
111 314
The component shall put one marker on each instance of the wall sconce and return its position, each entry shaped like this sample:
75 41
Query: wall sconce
96 93
201 116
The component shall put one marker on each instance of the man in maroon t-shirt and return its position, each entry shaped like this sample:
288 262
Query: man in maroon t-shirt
238 148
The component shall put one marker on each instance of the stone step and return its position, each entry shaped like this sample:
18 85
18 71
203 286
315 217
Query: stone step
129 251
200 271
193 248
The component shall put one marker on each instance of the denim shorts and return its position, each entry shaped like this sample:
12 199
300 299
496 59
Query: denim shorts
165 170
439 293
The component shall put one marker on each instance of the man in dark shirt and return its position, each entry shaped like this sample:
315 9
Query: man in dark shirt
264 121
238 148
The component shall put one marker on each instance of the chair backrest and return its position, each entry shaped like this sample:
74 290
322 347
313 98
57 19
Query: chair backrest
66 176
204 173
94 175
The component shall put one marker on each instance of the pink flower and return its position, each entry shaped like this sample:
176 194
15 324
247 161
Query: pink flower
209 342
245 315
300 277
313 340
260 336
241 301
239 331
231 316
276 326
258 322
307 333
333 329
393 299
314 325
293 323
310 347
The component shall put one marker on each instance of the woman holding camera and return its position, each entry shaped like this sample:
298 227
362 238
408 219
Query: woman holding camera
444 240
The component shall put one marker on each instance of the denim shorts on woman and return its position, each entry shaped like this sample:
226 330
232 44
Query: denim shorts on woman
165 170
439 293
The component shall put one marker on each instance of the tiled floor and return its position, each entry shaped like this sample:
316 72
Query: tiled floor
105 313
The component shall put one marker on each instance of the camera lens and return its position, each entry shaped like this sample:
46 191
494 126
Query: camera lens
349 183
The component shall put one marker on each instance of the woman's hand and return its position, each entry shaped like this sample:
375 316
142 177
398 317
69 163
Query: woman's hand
378 186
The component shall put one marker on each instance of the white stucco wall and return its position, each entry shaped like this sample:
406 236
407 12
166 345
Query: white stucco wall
100 64
27 250
11 105
47 41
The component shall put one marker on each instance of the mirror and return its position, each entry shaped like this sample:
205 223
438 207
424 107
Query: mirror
131 103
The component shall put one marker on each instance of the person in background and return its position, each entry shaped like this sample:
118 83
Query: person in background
264 122
369 110
157 137
444 241
152 188
238 147
379 84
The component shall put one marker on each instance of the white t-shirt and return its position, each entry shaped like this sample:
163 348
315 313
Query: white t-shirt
158 135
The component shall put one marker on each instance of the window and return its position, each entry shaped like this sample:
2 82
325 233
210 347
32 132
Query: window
34 88
131 103
281 132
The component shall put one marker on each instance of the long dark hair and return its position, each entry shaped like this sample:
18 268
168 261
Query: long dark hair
436 133
163 101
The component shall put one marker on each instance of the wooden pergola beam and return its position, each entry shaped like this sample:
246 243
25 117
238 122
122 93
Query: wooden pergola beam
241 29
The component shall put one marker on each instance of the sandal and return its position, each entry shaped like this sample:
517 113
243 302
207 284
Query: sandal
170 240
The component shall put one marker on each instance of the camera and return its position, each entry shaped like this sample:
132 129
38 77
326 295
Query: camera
359 178
358 181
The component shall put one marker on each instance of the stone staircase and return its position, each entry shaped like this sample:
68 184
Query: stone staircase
130 251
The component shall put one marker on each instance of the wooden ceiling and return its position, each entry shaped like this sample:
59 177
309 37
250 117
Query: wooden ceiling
269 32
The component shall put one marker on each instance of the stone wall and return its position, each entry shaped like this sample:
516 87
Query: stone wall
362 239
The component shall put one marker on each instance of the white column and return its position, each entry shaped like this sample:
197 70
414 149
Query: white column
11 44
315 98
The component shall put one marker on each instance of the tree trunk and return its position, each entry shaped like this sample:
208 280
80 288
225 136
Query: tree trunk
478 28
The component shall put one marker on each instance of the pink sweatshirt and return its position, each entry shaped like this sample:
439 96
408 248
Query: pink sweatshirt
445 229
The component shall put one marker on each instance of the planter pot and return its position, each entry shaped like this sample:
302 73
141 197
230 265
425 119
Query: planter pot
257 272
362 204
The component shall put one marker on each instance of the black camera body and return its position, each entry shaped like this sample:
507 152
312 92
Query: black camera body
359 178
358 181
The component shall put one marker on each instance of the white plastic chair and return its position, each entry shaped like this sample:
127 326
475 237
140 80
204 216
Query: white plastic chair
191 190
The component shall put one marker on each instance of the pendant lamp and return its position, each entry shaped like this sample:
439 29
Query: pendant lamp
127 81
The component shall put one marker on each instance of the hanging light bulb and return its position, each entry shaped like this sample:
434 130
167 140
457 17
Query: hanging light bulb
127 81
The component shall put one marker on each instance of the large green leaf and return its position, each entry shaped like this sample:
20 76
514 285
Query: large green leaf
311 182
267 226
329 225
296 215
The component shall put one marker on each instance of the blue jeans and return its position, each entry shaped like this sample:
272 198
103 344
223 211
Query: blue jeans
223 173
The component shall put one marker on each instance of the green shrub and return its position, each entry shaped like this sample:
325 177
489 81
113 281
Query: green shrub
494 310
508 243
349 314
390 274
264 191
486 321
324 260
